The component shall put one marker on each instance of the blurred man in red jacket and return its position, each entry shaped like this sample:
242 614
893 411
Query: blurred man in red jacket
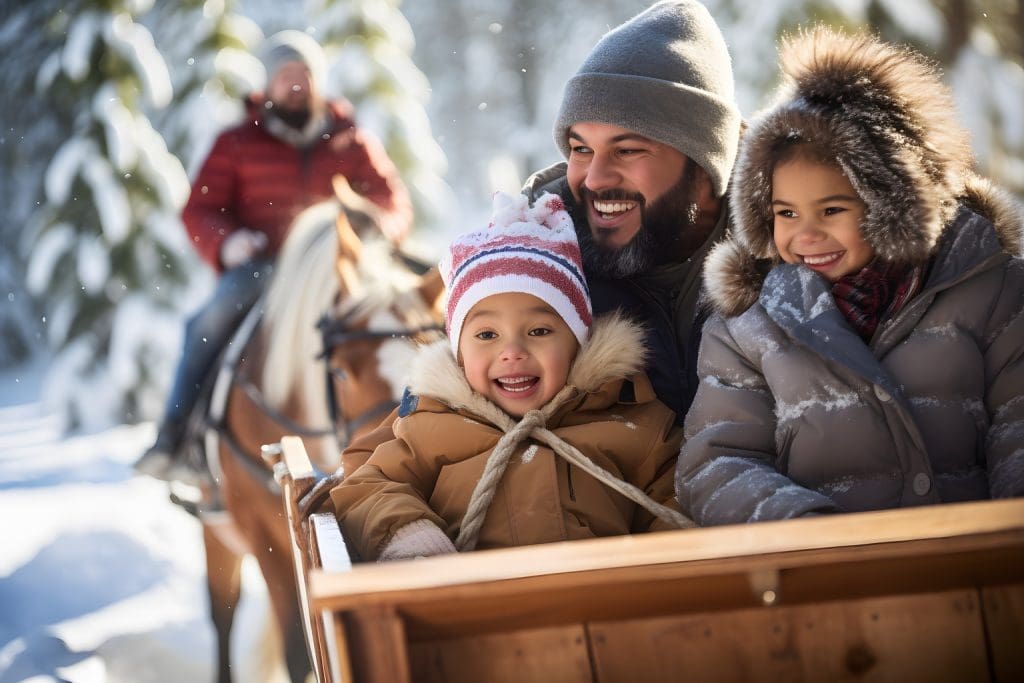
257 178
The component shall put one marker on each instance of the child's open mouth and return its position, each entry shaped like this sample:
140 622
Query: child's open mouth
517 385
823 260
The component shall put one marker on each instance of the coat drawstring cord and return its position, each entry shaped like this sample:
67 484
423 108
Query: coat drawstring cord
533 424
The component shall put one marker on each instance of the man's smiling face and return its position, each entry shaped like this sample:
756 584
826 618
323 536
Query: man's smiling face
636 195
614 173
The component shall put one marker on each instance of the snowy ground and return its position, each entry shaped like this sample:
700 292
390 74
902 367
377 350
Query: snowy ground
101 577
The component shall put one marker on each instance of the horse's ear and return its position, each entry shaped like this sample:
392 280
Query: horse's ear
364 216
431 289
350 249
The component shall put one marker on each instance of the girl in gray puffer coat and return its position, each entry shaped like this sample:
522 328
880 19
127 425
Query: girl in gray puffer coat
867 349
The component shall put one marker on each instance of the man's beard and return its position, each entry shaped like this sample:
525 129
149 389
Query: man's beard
660 238
293 118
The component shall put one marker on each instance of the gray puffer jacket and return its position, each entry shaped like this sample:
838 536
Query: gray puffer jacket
796 414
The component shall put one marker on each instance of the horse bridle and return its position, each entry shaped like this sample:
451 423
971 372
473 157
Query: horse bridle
336 332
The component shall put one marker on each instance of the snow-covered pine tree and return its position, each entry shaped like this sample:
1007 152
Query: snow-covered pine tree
29 135
497 70
369 45
979 45
209 47
752 29
523 56
106 243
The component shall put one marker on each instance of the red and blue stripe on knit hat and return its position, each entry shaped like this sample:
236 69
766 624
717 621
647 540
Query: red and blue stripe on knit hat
525 249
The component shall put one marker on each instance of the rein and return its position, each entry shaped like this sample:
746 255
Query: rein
336 332
220 430
290 425
228 376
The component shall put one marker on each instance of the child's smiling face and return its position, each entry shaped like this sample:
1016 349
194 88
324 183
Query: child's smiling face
516 351
817 218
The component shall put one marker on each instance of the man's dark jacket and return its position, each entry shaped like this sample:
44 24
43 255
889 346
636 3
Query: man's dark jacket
666 301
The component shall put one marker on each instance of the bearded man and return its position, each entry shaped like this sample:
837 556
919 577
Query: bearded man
257 178
650 129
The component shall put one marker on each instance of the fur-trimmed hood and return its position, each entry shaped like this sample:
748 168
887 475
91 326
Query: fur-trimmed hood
890 123
613 351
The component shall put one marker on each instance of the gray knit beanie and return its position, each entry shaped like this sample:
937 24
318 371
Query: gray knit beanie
665 74
294 46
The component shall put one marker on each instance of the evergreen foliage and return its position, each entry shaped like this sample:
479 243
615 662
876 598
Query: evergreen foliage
106 246
29 135
369 47
209 47
979 46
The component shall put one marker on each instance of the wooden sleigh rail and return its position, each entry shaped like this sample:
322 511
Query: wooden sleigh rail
925 594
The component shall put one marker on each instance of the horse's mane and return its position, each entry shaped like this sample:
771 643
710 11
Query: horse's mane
303 288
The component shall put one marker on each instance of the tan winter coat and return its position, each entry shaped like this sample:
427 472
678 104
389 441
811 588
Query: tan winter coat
795 413
429 470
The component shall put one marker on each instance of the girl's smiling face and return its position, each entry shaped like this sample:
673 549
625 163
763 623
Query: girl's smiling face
516 351
817 218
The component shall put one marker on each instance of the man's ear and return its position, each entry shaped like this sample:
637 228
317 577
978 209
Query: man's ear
705 193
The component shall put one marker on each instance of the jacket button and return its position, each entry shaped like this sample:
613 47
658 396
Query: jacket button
882 394
922 483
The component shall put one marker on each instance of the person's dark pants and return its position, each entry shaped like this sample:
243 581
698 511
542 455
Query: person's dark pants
207 333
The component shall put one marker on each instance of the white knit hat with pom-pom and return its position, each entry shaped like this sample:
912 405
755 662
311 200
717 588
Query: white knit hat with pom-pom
532 250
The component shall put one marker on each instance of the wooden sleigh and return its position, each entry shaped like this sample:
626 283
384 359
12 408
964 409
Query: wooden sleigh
924 594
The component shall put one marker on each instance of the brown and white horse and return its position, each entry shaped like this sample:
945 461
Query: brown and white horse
371 307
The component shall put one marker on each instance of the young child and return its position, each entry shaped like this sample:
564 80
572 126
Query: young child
867 349
529 424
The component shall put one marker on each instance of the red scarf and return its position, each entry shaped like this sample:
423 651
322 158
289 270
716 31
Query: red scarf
878 291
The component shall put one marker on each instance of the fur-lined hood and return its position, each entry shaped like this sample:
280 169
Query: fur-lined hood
613 351
890 123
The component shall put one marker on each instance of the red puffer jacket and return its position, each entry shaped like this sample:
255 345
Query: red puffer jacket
252 179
